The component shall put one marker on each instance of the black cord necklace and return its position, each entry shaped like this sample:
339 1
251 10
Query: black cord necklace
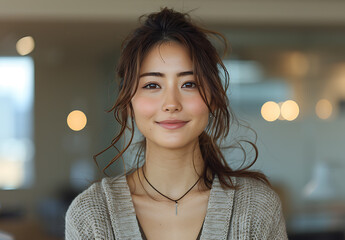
174 200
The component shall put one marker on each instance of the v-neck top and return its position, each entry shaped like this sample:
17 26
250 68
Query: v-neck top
105 211
145 238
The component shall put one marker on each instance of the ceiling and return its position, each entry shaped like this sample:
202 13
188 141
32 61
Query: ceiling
297 12
98 27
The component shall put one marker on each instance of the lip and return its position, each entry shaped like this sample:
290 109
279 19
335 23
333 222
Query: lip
172 124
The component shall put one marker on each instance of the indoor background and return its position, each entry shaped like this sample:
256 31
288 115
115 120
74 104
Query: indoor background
57 72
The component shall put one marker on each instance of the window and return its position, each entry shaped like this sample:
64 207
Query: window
16 122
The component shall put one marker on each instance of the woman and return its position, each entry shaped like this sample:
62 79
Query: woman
171 88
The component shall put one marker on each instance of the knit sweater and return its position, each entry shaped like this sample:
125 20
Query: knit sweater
105 211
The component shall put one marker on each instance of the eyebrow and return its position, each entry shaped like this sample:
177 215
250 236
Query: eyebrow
158 74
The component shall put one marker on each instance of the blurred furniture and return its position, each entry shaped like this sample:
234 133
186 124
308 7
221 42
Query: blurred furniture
330 235
318 221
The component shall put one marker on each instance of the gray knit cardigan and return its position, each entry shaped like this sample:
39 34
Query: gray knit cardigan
105 211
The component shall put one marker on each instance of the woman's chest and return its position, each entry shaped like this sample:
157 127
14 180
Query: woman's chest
159 220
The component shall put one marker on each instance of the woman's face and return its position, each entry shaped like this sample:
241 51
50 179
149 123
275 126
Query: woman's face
167 92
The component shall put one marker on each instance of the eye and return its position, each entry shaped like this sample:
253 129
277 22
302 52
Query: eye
190 85
151 86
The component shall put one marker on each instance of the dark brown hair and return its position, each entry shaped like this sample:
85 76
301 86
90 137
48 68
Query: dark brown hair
169 25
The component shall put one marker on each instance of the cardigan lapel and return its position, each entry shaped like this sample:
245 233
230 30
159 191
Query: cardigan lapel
219 212
121 208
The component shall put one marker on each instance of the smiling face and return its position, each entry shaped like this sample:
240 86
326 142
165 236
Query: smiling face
167 91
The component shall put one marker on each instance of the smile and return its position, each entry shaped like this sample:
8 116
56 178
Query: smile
172 125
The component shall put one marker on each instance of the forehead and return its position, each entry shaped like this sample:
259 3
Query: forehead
167 55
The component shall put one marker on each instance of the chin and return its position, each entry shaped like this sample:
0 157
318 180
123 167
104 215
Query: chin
174 143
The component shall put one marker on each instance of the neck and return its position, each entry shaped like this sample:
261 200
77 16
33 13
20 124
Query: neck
171 171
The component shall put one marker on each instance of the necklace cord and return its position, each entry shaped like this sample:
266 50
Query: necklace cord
165 195
141 183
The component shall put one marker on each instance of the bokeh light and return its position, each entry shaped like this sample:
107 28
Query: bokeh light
76 120
25 45
270 111
289 110
323 109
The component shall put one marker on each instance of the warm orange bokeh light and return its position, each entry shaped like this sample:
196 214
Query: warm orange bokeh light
25 45
290 110
76 120
270 111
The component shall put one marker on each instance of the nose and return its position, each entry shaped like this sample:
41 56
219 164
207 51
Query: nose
172 101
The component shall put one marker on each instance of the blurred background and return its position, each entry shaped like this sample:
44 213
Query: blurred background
57 79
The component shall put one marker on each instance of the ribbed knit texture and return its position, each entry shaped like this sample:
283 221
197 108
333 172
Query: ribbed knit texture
105 211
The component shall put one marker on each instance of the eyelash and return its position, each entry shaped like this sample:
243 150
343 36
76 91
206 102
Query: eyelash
146 86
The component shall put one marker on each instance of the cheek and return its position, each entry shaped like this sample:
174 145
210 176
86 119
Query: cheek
197 107
144 107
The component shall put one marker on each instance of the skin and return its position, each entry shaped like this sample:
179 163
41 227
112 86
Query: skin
167 90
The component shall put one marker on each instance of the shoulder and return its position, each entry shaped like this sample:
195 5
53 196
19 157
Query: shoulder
84 212
94 198
255 190
80 217
256 199
87 200
88 214
257 210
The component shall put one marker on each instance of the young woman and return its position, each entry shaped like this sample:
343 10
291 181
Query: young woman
171 89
